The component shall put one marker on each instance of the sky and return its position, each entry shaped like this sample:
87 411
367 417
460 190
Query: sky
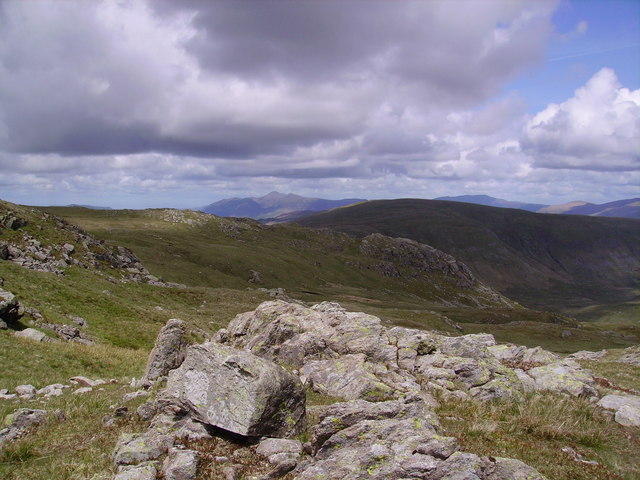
137 104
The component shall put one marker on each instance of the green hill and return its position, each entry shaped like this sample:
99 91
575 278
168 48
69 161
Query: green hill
543 261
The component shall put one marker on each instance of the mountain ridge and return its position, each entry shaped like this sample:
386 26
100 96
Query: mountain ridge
272 205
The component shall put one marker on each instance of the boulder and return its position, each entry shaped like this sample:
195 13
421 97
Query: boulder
168 351
562 377
19 422
8 303
510 469
631 356
180 464
32 334
133 448
628 415
146 471
236 391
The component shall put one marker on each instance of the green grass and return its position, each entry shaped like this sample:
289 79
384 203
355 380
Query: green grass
536 430
75 448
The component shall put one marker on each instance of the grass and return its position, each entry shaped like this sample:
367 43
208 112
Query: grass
537 429
74 448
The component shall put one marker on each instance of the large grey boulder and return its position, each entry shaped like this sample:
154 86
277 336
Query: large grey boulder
236 391
168 351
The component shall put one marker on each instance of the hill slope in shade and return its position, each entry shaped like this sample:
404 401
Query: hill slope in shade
272 205
556 261
628 208
494 202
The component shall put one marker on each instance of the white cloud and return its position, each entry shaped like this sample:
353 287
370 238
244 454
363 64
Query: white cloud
597 129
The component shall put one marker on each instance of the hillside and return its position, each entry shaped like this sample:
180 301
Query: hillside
272 206
101 291
544 261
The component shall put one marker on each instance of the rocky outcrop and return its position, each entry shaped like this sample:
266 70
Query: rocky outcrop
418 256
8 305
236 391
168 351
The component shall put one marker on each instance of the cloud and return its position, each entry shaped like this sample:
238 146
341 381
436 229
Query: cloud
596 129
240 79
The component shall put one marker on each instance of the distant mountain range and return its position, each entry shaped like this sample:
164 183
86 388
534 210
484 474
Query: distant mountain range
274 206
627 208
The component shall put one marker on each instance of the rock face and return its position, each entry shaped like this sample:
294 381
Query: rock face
236 391
8 304
168 352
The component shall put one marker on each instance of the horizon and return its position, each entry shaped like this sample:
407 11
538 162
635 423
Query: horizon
150 103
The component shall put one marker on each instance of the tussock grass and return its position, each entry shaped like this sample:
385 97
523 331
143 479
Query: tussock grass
536 430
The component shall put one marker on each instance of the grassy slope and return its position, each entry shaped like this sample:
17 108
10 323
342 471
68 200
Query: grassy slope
315 266
543 261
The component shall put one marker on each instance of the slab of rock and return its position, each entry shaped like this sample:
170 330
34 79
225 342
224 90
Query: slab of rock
32 334
510 469
26 391
631 357
348 377
168 351
133 448
180 464
562 377
236 391
19 422
147 471
628 416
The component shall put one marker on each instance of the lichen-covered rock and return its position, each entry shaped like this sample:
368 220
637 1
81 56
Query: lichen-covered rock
631 356
236 391
168 351
180 464
510 469
563 377
146 471
627 408
19 422
133 448
348 377
628 416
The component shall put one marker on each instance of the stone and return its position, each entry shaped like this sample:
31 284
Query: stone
563 378
180 464
631 356
168 351
615 402
147 410
53 390
133 448
349 377
82 390
86 382
8 303
146 471
628 415
273 446
16 424
27 391
3 325
510 469
127 397
236 391
31 334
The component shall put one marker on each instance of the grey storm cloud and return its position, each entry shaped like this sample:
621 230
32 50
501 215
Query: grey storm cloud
241 79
